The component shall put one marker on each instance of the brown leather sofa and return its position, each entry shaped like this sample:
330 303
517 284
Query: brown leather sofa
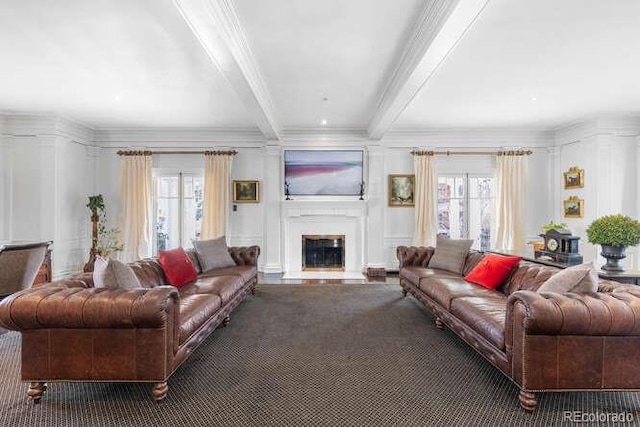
544 342
72 331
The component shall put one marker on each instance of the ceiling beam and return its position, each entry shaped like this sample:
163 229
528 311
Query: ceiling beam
439 27
216 26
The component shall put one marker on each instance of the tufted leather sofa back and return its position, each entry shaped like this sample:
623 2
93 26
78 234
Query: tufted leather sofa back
528 276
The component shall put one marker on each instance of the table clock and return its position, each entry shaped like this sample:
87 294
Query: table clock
560 247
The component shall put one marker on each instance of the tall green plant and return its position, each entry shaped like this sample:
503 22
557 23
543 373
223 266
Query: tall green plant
614 230
107 239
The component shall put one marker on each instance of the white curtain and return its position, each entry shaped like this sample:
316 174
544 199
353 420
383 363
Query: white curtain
217 174
426 199
511 171
135 218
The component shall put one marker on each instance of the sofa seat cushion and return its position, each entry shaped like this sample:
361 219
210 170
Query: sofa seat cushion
247 272
415 274
223 286
195 310
485 314
443 290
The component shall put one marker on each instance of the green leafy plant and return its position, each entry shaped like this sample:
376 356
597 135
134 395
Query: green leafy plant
614 230
106 241
553 226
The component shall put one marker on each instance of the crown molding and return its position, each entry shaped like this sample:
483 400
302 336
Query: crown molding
469 138
45 124
216 26
178 137
604 124
438 29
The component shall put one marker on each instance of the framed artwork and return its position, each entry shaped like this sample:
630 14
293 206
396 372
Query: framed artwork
401 190
246 191
573 207
574 178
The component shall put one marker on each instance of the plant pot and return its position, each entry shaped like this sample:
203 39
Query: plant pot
613 255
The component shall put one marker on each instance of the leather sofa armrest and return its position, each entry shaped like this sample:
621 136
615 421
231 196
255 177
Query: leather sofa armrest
245 255
87 308
414 256
597 313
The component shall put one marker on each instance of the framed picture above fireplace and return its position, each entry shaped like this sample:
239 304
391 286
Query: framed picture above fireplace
324 172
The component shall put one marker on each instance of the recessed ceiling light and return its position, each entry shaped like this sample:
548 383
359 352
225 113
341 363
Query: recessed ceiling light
534 99
324 122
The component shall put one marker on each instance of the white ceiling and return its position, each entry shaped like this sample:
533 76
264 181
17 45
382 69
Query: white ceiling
269 65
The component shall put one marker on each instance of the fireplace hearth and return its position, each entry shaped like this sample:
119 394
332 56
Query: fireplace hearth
323 252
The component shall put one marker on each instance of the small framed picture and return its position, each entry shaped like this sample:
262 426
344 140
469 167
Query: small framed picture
573 207
574 178
246 191
401 189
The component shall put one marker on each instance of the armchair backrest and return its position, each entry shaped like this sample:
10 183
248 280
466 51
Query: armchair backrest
19 264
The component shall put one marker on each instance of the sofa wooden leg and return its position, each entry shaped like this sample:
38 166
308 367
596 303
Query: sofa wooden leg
439 323
226 321
404 292
253 290
36 390
159 391
528 400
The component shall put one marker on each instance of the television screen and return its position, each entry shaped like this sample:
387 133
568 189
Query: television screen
323 172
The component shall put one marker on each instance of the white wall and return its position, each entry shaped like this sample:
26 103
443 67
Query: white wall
607 150
47 175
58 167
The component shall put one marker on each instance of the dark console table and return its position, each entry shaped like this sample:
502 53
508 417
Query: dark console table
631 277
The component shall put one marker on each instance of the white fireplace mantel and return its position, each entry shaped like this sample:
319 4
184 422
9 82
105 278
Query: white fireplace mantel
323 217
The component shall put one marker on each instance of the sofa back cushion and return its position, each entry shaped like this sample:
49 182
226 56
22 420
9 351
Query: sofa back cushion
149 272
472 260
528 276
450 254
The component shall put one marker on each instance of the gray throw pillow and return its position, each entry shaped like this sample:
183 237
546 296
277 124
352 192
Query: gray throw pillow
450 254
579 278
113 274
213 254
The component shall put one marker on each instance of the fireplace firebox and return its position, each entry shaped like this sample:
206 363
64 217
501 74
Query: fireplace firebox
323 252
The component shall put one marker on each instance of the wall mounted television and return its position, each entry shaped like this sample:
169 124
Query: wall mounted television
323 172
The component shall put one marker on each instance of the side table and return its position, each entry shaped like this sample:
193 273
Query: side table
631 277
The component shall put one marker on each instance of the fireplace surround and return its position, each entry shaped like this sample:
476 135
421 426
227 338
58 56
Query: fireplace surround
323 218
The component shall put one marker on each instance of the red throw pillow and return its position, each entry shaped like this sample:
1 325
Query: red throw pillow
177 266
492 270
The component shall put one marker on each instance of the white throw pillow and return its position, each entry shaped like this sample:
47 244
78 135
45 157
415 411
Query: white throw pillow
113 274
579 278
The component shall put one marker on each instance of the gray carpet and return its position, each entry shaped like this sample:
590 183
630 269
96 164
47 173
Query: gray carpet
335 355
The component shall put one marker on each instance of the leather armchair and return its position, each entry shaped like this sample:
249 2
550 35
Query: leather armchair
19 264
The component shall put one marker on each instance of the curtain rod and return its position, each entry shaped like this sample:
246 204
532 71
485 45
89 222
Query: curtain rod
148 153
471 153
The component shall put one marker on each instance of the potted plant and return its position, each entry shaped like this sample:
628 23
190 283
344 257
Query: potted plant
614 233
553 226
104 240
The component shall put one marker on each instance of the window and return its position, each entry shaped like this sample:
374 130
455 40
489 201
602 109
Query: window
177 209
466 205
